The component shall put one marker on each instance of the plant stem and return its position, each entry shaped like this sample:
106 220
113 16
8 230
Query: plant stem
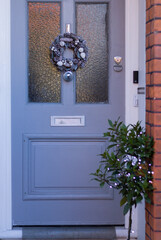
130 223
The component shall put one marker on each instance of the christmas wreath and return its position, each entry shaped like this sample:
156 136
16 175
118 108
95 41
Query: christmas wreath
71 41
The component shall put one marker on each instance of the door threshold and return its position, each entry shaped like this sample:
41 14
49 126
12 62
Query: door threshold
69 232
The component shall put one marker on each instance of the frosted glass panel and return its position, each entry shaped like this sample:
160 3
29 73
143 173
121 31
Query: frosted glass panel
44 26
92 25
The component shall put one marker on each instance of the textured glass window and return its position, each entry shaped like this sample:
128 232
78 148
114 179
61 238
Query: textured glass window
44 26
92 25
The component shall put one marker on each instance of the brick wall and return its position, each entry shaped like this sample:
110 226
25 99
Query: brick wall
153 111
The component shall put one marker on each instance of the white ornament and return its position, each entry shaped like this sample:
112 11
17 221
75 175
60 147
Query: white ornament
52 49
62 44
80 49
83 55
60 63
76 42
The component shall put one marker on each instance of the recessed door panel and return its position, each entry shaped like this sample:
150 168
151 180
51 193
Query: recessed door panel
58 126
48 160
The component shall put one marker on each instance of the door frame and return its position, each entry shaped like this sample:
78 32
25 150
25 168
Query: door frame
132 9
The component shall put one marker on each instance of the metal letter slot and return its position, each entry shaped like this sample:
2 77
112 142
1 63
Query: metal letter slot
67 121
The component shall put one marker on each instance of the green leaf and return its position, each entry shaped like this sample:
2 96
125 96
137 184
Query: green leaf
147 199
139 199
123 201
129 196
126 209
102 184
110 122
119 125
111 146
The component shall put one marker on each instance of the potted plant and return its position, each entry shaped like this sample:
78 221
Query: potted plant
126 164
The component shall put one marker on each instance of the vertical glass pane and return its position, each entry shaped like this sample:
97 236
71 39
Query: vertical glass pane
44 26
92 25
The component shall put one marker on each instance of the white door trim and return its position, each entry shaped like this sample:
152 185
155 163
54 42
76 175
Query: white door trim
5 119
132 40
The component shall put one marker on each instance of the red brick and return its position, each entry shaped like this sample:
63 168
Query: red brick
155 235
150 66
157 172
147 229
147 15
148 77
155 1
148 4
152 118
156 52
153 39
157 225
148 104
151 13
155 92
151 92
148 128
157 38
157 146
156 132
148 207
147 237
147 120
155 211
157 159
148 39
157 118
157 198
151 220
157 186
148 27
147 216
147 91
154 11
148 54
155 105
155 25
154 65
156 78
147 67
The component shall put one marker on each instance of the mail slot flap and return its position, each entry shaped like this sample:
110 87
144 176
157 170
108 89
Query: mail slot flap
68 121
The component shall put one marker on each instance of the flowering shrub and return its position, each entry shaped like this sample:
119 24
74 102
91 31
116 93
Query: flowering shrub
127 164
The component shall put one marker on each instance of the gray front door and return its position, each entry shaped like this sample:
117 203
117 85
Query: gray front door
57 126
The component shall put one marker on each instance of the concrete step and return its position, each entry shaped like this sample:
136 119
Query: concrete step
65 232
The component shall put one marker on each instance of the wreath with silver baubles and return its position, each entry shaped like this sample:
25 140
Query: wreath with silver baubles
71 41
